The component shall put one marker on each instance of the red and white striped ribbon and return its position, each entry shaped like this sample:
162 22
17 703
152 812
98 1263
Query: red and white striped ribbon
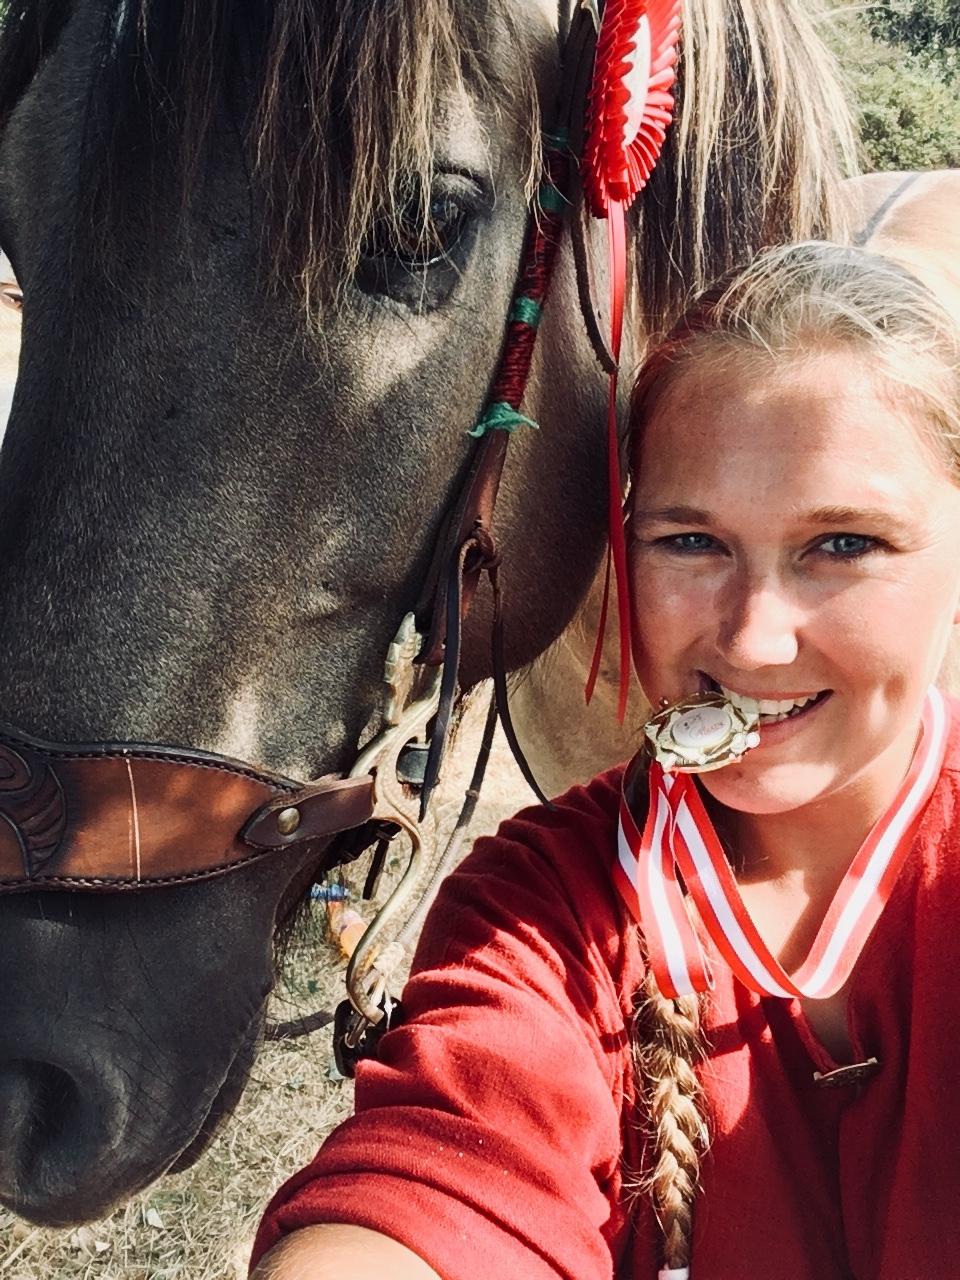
678 836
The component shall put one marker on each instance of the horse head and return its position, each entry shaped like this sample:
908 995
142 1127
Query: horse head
266 254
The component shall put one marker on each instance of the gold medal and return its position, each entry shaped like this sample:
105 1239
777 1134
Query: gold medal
699 733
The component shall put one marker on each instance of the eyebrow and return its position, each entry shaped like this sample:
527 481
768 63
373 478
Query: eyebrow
832 517
838 516
672 515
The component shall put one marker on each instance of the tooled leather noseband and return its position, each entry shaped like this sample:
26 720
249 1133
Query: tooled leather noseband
115 816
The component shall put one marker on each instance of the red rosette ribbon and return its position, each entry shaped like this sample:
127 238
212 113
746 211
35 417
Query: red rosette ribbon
629 109
631 99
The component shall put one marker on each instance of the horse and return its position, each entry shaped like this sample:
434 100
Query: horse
266 254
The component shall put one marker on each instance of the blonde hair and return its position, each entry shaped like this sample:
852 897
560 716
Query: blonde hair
666 1045
797 301
789 303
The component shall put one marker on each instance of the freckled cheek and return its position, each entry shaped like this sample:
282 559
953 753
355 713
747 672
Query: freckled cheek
884 635
672 612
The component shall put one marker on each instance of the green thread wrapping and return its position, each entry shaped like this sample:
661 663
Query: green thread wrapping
526 310
550 199
501 416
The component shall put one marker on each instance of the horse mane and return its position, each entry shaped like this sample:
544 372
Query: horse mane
339 103
346 105
763 138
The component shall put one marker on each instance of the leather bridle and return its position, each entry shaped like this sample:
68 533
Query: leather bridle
118 817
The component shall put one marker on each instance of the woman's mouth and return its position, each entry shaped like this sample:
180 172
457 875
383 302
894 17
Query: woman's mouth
769 709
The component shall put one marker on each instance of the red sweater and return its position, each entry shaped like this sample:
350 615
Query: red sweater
491 1135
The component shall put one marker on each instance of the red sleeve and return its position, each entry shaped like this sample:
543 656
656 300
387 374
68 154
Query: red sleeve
489 1133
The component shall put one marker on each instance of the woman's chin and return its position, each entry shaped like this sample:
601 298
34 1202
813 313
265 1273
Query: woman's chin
753 787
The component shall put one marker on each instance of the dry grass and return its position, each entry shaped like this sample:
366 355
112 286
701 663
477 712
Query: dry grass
199 1225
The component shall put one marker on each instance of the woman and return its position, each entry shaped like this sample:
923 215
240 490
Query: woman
559 1103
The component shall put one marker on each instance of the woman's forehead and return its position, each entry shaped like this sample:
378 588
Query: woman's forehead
736 430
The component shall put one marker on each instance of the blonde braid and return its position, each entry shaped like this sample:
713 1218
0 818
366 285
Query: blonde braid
666 1043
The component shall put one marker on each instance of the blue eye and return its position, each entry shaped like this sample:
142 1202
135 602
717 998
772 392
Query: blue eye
688 543
847 546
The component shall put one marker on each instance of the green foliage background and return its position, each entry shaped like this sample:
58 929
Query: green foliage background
902 61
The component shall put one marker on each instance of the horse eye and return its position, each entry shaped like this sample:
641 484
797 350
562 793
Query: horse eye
421 238
448 219
418 257
11 295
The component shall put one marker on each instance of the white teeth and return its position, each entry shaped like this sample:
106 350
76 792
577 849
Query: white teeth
765 706
749 706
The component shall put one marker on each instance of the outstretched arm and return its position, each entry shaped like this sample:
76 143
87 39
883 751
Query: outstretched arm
333 1252
491 1124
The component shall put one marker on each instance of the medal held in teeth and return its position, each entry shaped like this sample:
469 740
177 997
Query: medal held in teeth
705 731
676 853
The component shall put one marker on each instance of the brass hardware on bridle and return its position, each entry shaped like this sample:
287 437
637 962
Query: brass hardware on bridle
394 804
368 1009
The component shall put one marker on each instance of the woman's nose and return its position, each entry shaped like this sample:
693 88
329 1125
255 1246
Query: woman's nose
758 627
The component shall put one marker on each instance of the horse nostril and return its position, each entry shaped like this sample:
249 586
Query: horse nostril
55 1098
39 1103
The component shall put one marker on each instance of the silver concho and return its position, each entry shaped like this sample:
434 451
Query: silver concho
700 733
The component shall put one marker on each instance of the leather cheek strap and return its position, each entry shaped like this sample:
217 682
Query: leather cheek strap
116 816
324 808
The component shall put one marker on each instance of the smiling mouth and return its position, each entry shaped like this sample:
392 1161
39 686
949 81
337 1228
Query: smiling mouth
769 710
